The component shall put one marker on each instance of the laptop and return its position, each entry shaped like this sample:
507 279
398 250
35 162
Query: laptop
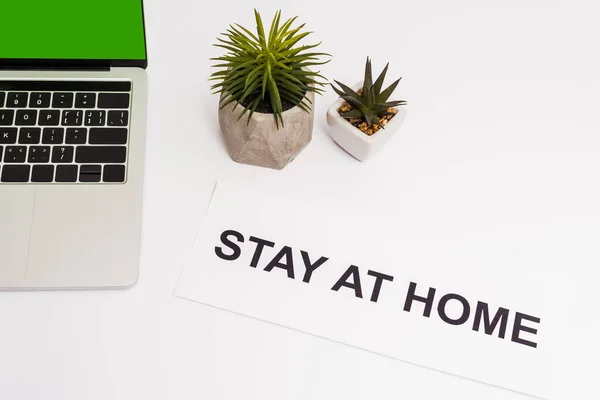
72 132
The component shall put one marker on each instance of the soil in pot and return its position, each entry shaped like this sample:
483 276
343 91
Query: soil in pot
361 124
265 107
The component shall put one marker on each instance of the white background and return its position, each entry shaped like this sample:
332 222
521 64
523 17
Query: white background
502 132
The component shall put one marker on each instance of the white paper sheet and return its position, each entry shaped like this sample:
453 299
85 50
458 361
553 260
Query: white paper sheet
279 290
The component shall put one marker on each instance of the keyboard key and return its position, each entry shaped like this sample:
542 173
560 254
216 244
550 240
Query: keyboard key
39 154
16 100
1 152
118 118
26 118
15 173
30 135
113 100
2 97
7 117
53 135
62 154
66 173
95 118
85 100
76 136
15 154
72 117
8 135
42 173
90 173
114 173
65 86
108 136
62 100
100 154
39 100
49 118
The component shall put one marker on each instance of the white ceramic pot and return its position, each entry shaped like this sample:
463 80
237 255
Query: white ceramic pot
353 140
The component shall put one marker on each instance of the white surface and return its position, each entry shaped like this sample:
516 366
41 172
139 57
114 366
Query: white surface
269 283
353 140
503 130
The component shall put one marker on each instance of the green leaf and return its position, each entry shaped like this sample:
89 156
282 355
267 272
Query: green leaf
368 82
226 101
251 107
379 82
237 59
338 91
260 29
355 103
371 118
347 90
243 65
387 92
292 41
289 31
253 74
237 47
249 90
274 27
265 79
287 75
352 113
291 88
307 56
384 106
250 34
367 96
275 102
285 28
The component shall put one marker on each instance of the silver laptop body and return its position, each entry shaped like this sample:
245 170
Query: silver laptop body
78 225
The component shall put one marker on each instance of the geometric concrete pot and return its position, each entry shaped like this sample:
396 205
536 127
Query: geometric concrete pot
259 142
360 145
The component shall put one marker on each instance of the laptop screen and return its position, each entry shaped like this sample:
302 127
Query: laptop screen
65 30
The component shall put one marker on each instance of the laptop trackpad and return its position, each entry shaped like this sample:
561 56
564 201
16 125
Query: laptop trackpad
16 213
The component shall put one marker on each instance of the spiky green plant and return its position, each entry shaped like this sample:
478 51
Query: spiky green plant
372 103
271 69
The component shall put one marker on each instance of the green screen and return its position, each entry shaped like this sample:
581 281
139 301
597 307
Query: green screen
72 29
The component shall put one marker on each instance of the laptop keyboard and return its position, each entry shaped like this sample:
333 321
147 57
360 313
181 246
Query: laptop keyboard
64 132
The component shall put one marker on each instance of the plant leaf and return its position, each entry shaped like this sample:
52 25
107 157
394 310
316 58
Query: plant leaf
349 91
387 92
274 28
368 82
260 29
352 113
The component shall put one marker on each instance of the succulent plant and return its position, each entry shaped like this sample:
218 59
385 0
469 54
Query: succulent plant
271 71
372 103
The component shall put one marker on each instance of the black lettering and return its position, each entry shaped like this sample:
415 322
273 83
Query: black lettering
288 265
411 296
310 268
236 249
518 328
379 278
260 245
343 281
501 318
442 309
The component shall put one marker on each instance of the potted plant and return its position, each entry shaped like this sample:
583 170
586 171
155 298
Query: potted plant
363 119
267 89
